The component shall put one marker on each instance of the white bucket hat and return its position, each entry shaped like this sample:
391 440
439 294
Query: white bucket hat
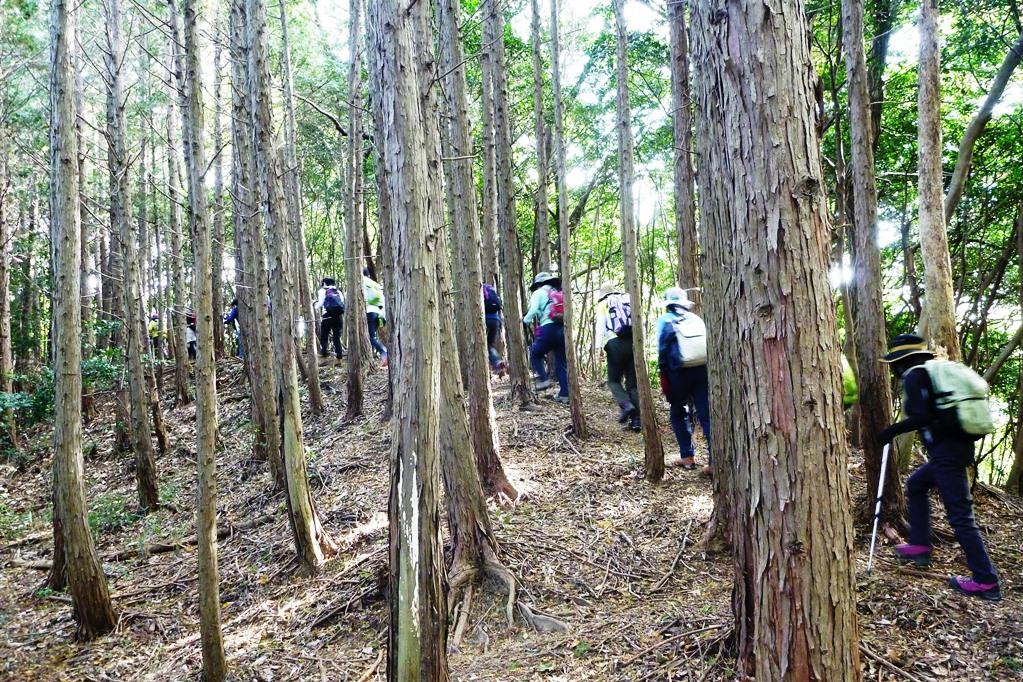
677 296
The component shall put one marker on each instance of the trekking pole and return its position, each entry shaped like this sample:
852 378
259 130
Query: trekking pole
877 507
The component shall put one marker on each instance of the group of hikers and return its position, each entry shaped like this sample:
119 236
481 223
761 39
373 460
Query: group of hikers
945 402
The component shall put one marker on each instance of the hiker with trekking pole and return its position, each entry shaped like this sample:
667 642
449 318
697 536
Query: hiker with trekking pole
947 403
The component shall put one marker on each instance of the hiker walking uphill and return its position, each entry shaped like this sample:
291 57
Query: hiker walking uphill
946 402
682 361
492 317
547 315
331 301
375 316
613 333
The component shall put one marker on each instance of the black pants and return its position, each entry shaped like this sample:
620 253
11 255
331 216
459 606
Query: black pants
330 328
946 471
620 367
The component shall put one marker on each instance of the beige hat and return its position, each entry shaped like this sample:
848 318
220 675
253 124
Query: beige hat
607 289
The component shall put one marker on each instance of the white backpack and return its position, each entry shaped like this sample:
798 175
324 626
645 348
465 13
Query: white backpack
691 334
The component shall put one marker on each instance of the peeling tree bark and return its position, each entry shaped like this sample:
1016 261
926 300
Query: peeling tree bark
465 236
417 634
773 343
312 542
90 595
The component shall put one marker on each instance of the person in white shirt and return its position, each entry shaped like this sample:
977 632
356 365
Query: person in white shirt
331 302
613 333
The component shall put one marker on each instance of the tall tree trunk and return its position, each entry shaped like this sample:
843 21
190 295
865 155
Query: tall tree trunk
357 333
964 160
465 236
938 317
253 292
686 237
6 239
131 286
218 195
182 391
312 542
654 452
779 440
417 634
511 265
579 427
885 12
488 218
189 75
293 193
89 592
875 400
542 229
88 322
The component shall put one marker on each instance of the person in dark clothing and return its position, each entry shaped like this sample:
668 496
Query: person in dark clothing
684 379
613 332
949 454
492 316
331 301
231 322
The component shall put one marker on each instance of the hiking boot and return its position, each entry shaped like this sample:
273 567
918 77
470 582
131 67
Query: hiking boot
985 591
635 423
561 399
541 385
626 410
501 369
914 554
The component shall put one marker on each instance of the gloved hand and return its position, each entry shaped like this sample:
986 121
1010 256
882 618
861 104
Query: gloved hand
887 436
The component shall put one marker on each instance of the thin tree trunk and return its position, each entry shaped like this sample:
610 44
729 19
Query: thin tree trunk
131 286
938 318
885 12
182 391
654 452
6 239
312 542
254 317
417 633
686 237
189 75
293 193
964 160
869 338
779 439
542 229
357 333
579 427
90 595
218 196
488 217
465 235
511 266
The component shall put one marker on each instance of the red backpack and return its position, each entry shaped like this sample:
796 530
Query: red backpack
556 305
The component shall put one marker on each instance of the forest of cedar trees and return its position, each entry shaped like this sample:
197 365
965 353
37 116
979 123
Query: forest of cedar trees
558 340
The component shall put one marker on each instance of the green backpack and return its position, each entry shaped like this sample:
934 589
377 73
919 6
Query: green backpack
961 398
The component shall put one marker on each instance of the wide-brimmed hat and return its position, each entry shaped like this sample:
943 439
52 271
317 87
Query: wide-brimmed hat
677 296
608 289
904 345
543 278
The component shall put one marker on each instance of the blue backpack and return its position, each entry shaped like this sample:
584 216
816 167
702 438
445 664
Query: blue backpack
332 302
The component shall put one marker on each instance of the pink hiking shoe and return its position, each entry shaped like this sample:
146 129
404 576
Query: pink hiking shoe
986 591
914 554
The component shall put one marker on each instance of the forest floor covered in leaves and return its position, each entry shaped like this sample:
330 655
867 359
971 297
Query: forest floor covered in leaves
592 544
